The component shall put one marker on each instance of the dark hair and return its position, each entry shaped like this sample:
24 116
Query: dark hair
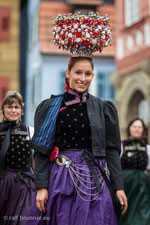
132 121
74 60
11 97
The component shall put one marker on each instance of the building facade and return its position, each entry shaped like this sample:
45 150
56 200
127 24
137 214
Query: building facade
132 80
9 46
46 64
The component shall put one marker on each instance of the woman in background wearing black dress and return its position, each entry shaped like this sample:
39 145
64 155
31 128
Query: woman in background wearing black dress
136 166
16 177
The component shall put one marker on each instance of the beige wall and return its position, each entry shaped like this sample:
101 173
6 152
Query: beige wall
131 88
9 50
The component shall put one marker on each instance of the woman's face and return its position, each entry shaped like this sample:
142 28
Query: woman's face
13 112
136 129
80 76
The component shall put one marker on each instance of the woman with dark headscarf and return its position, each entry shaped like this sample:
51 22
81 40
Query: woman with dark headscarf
16 176
136 164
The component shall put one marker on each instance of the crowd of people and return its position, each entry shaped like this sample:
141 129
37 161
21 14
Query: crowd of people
74 170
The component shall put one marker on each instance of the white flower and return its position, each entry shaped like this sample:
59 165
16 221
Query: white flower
70 35
62 42
106 43
103 37
99 27
78 40
87 35
75 26
83 26
94 41
57 37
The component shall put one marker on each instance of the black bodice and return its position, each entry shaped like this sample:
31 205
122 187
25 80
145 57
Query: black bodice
73 126
134 154
19 153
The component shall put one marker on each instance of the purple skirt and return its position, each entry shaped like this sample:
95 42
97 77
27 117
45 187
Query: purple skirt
16 198
73 196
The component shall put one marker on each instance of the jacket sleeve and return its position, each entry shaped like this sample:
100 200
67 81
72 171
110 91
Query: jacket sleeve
39 118
41 156
42 168
113 145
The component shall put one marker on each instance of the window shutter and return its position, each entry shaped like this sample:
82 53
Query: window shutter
4 87
4 23
128 12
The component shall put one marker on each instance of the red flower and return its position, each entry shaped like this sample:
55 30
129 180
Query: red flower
60 23
65 22
69 40
86 42
85 20
99 21
93 20
63 37
75 21
78 35
107 36
95 35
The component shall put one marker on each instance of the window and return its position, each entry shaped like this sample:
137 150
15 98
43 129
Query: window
120 48
36 89
4 81
33 30
147 34
53 0
132 11
4 23
84 2
62 80
144 114
105 89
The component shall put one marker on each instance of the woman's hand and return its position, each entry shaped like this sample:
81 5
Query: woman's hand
41 199
123 200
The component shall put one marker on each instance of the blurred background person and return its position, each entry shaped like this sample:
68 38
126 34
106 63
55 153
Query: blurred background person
136 164
16 176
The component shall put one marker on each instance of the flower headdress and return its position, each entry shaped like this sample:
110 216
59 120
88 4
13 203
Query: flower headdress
82 35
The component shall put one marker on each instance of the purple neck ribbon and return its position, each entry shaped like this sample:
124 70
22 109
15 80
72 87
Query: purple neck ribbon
77 98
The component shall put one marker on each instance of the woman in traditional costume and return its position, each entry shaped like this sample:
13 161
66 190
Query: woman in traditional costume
77 138
17 187
136 166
